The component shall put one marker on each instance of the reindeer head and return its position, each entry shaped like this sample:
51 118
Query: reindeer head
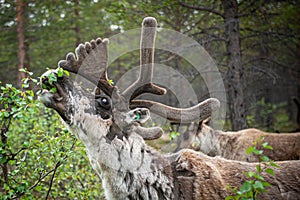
119 110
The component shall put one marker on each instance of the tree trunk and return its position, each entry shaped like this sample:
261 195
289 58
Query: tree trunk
27 57
235 70
20 38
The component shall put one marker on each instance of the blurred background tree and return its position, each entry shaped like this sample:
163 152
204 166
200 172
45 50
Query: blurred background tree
256 45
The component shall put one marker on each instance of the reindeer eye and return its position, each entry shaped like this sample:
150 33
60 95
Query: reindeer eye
104 101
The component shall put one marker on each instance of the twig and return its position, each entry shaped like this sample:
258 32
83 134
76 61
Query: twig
52 178
54 171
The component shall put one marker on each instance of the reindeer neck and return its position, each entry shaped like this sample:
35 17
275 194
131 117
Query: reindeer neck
133 170
128 167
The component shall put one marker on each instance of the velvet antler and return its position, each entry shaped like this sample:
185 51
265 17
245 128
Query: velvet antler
144 83
91 62
199 112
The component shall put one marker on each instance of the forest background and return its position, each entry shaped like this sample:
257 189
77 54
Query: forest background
255 44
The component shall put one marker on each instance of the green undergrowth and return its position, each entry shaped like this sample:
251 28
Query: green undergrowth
39 158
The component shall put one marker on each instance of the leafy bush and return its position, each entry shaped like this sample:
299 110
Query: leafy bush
38 156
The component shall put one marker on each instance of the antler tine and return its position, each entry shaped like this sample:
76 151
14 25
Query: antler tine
198 112
144 83
91 62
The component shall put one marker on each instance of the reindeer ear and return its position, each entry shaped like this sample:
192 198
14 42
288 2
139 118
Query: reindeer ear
140 115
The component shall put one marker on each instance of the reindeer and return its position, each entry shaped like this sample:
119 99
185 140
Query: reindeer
233 145
109 124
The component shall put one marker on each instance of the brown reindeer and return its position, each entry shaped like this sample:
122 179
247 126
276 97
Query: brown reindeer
109 124
233 145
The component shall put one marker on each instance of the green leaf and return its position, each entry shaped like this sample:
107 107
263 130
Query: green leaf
9 85
22 70
266 184
38 188
246 187
30 92
6 114
269 171
266 146
60 72
273 164
25 144
231 197
25 85
52 78
258 177
66 73
34 80
258 185
11 162
250 150
53 90
110 81
38 92
257 152
174 134
264 158
258 168
3 160
25 80
250 174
